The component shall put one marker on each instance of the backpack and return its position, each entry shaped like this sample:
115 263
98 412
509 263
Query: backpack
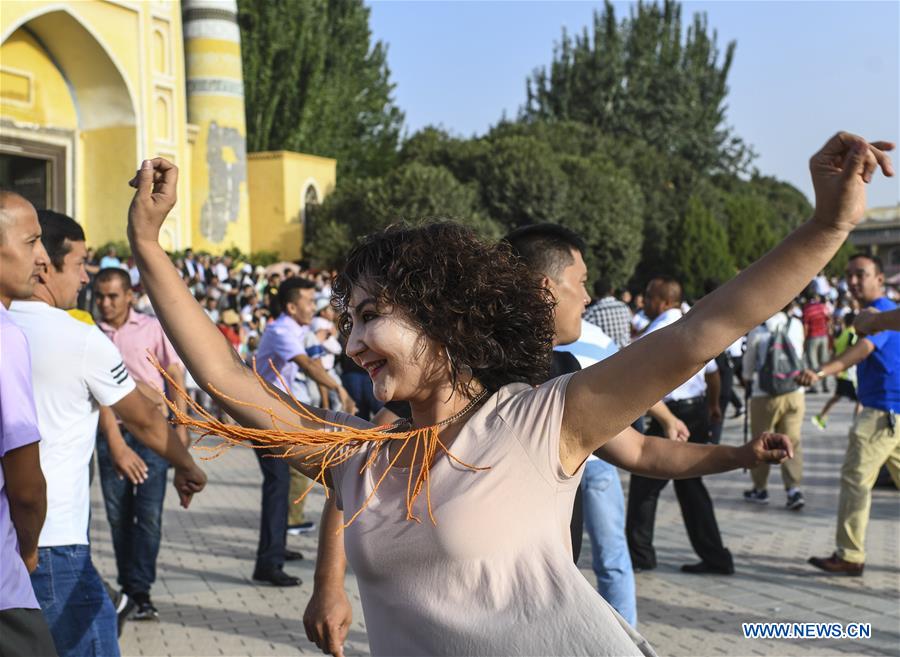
781 365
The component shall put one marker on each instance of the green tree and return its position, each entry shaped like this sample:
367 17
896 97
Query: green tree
414 193
788 205
521 182
605 207
315 82
537 172
749 222
434 146
645 78
701 251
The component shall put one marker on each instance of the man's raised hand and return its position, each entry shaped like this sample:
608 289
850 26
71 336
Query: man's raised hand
866 321
769 447
840 171
156 183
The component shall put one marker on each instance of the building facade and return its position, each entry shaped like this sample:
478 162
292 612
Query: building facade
90 88
879 234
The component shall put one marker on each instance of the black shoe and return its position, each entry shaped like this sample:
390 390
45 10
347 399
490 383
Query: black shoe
641 568
276 577
755 496
704 568
301 528
290 555
145 610
124 606
795 502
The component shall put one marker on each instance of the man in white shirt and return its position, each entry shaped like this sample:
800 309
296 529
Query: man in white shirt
77 369
693 404
776 412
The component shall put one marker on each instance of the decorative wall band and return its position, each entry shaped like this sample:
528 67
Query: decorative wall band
215 86
200 13
204 28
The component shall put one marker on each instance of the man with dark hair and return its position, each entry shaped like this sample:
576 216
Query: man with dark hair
135 512
547 248
610 314
557 255
599 501
23 493
874 437
60 234
285 350
76 369
695 402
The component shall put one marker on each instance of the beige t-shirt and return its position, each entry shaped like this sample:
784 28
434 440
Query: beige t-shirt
495 575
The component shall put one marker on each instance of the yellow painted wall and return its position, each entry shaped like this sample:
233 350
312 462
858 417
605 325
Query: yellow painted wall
113 74
278 183
106 199
32 90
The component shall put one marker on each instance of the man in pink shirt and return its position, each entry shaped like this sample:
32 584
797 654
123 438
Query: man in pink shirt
135 511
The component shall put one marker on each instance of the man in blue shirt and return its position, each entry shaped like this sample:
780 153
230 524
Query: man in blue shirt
874 436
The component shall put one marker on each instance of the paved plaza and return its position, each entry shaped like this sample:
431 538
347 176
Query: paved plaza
209 605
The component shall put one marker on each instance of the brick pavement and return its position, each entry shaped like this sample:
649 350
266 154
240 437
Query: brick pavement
210 606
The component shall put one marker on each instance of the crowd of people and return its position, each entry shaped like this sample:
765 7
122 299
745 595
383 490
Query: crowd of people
475 355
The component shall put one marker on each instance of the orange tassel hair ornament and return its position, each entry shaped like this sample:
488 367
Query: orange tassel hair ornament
333 444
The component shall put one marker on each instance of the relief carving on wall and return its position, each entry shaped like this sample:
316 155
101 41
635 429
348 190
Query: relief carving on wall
226 160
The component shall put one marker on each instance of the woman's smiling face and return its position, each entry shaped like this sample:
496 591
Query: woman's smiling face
403 363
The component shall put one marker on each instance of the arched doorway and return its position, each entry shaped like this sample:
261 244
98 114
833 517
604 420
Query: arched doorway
310 205
69 129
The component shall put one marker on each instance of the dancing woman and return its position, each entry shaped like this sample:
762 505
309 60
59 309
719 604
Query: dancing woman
460 548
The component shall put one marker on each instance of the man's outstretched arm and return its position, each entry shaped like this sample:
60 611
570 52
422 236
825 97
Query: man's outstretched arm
871 321
858 352
650 456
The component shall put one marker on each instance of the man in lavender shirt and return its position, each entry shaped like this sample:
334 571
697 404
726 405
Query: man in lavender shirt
284 344
23 498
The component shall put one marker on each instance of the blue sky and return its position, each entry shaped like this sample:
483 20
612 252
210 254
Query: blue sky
802 70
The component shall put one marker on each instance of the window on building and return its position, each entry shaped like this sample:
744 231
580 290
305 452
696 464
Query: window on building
34 170
310 206
894 258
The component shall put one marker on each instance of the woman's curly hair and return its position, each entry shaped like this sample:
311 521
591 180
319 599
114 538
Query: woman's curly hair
478 300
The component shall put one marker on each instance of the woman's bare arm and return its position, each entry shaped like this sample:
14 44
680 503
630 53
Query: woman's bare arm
605 398
202 347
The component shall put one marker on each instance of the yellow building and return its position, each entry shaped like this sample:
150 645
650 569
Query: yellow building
90 88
